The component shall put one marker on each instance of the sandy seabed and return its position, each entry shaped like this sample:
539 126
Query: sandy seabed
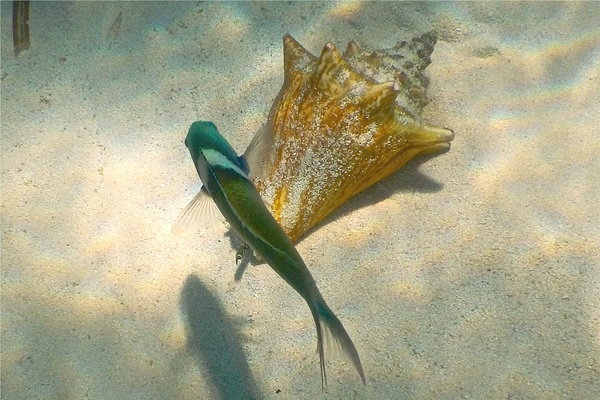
472 275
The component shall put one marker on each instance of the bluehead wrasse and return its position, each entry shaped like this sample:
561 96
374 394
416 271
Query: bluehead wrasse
225 178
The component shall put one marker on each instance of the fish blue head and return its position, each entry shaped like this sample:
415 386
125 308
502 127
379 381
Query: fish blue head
209 149
204 136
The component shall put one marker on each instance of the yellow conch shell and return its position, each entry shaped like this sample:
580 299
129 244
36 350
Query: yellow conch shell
333 131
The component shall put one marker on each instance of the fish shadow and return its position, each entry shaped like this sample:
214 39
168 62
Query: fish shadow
214 343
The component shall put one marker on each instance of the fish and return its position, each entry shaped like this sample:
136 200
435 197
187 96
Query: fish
226 180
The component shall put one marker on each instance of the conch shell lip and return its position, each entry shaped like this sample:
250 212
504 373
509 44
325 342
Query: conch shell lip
409 179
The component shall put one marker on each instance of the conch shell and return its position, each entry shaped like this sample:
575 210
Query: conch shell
334 129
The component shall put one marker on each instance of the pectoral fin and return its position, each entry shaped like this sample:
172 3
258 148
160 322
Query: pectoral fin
257 154
198 213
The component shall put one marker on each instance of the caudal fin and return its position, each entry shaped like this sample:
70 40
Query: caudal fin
329 325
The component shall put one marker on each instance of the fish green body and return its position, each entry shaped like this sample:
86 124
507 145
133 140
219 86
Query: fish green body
225 178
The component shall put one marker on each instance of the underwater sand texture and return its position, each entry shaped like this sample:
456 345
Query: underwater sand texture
471 275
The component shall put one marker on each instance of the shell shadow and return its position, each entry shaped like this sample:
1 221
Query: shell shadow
406 179
214 343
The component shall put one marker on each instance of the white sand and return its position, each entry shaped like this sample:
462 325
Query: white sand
473 275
